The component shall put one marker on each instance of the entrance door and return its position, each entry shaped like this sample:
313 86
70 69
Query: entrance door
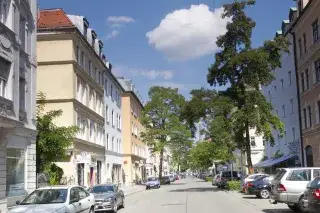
80 173
309 156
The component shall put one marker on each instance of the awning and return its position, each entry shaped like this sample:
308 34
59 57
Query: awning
261 164
280 160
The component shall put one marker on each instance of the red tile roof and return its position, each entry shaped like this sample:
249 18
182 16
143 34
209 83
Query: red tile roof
53 19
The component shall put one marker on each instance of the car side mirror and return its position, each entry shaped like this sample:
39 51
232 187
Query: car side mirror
18 202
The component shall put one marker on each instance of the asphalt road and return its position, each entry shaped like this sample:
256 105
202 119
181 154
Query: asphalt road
188 195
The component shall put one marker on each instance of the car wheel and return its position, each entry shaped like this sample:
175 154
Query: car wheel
123 203
300 205
147 188
264 194
91 210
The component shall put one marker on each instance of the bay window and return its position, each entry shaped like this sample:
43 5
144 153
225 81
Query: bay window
15 172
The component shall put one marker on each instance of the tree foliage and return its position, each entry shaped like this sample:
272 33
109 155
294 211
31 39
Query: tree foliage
52 140
161 119
245 69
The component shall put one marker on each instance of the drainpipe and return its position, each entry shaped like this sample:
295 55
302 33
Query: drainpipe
298 95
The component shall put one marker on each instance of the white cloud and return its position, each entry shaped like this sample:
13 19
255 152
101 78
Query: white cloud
113 34
120 19
172 85
149 74
188 33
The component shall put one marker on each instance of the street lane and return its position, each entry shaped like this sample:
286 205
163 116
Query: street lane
186 196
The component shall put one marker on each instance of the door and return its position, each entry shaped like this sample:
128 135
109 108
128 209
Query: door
74 205
85 201
118 195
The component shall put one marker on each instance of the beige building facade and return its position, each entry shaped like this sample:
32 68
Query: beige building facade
71 67
134 150
305 29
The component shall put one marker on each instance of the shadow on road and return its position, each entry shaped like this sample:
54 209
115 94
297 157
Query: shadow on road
276 210
251 198
200 189
178 184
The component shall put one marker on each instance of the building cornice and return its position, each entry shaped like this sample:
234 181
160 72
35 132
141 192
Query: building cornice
132 94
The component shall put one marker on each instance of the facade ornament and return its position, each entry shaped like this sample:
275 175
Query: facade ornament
6 107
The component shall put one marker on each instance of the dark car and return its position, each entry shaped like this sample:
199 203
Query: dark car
311 198
166 180
260 187
227 176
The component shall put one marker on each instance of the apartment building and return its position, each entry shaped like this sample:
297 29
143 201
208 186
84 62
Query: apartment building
134 150
282 94
17 100
306 35
153 163
113 127
70 55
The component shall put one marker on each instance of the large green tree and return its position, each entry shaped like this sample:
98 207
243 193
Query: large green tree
161 119
52 140
245 69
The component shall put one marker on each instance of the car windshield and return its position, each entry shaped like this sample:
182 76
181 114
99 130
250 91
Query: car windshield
315 184
152 179
46 196
102 189
280 173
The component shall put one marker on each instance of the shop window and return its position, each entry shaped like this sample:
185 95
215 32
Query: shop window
15 172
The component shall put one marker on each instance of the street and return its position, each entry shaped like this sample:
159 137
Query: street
194 196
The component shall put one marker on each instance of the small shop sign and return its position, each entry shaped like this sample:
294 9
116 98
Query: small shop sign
83 157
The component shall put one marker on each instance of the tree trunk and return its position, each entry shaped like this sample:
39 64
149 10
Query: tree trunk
248 148
161 164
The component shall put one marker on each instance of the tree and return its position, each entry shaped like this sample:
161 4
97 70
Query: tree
52 140
161 119
245 69
203 154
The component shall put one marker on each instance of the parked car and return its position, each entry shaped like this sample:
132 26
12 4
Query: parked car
153 182
54 199
108 197
249 178
289 184
166 180
227 176
216 179
172 179
311 198
260 187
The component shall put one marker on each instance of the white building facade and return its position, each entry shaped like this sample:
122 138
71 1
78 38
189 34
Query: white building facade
282 94
17 100
113 127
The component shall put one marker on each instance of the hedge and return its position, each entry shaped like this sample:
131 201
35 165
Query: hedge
234 185
209 179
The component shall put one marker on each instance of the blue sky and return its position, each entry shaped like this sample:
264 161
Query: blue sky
176 53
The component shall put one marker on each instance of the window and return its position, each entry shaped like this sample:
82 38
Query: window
307 78
282 84
91 129
4 74
77 53
82 60
253 141
85 30
15 172
93 39
107 114
300 175
293 134
107 142
310 114
3 12
112 144
302 82
99 163
112 118
100 49
22 93
111 92
305 118
99 77
318 105
291 105
22 33
315 31
304 42
284 111
300 47
289 77
90 68
317 69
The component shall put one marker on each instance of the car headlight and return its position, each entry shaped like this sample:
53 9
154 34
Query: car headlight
108 199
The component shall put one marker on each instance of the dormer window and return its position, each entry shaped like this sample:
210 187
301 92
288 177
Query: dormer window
94 37
100 48
300 7
85 27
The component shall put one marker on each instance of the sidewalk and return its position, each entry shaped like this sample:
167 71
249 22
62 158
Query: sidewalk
262 204
129 190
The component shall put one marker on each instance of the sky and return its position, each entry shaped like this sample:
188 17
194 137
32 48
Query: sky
168 43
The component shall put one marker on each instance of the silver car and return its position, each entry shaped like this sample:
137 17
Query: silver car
108 197
289 184
56 199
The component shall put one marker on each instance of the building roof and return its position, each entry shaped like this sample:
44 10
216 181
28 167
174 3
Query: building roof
53 19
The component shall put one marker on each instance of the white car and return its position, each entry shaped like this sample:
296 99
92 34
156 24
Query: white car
249 178
56 199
